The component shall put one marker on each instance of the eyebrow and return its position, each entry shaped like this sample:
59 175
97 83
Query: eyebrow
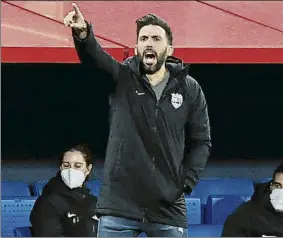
66 162
150 36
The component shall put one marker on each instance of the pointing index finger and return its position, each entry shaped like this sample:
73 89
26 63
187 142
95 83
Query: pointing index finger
77 10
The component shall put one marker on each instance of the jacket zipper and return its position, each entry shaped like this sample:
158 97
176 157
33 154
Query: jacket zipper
144 219
157 104
156 108
156 113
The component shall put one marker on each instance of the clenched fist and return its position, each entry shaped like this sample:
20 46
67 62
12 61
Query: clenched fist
76 21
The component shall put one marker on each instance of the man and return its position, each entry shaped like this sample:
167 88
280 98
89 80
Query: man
261 216
154 108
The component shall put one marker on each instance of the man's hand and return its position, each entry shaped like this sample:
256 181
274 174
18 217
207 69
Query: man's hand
76 21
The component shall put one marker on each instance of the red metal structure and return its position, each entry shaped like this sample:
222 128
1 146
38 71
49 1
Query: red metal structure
204 31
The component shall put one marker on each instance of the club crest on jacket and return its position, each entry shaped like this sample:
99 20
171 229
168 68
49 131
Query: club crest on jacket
176 100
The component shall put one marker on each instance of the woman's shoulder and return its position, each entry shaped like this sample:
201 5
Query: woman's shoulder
92 198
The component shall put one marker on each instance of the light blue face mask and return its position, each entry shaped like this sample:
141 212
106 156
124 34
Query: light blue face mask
73 178
276 199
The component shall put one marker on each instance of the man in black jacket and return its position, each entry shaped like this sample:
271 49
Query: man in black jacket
262 215
159 138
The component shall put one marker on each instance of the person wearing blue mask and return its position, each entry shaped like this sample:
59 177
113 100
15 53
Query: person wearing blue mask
66 207
262 216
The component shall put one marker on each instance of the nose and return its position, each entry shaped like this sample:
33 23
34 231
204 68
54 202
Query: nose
149 43
72 166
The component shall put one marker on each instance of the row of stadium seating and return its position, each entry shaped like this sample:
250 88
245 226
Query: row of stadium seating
16 210
210 203
205 187
193 231
19 188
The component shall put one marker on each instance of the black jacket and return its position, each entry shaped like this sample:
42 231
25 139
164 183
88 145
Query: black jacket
146 168
61 211
255 218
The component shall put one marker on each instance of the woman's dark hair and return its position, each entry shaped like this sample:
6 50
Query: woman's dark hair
86 152
151 19
279 169
84 149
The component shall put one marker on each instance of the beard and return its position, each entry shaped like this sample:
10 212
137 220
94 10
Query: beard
151 68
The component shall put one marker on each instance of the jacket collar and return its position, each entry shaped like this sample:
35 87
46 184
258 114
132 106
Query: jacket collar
174 65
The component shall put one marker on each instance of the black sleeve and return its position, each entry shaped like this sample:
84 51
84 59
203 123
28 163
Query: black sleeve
198 142
91 53
45 219
239 223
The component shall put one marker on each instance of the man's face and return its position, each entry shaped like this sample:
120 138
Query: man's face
152 48
278 181
276 195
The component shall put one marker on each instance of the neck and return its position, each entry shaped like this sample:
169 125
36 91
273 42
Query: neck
157 76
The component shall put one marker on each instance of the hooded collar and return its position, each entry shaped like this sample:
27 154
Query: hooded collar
261 190
57 186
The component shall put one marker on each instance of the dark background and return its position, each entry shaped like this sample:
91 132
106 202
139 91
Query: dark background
46 107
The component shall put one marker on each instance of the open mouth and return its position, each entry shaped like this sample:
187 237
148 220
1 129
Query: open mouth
149 58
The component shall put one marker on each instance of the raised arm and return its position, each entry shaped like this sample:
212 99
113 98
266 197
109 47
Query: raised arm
88 49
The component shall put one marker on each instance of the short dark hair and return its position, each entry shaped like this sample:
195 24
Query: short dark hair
84 149
151 19
279 169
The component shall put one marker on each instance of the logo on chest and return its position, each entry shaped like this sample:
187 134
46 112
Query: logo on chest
73 217
176 100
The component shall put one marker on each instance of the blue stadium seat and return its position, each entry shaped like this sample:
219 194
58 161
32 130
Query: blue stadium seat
193 210
14 188
15 212
36 187
222 186
94 185
219 207
200 230
204 230
22 232
142 235
263 180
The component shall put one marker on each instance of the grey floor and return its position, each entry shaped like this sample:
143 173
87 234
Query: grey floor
32 170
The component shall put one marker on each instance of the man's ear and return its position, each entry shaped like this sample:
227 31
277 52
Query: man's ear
170 50
136 50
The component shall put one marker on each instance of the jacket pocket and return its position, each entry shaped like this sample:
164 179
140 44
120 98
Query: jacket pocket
180 182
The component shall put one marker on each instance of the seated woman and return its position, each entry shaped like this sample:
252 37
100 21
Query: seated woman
66 207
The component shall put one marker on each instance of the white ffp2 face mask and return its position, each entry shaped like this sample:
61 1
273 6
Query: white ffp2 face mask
73 178
276 199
